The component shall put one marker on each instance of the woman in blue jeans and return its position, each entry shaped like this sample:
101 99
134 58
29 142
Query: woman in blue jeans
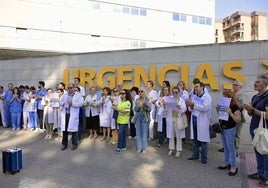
228 133
142 109
123 108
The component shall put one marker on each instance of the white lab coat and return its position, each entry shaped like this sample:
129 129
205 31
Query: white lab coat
203 112
62 111
95 110
106 112
77 102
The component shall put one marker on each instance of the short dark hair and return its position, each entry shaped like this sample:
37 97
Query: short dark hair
32 88
196 80
136 89
77 78
42 83
151 82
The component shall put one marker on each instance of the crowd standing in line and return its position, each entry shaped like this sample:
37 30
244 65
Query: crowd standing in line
111 111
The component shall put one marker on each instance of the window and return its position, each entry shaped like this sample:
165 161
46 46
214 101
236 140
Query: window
96 6
176 16
202 20
208 21
134 11
195 19
126 10
143 12
183 17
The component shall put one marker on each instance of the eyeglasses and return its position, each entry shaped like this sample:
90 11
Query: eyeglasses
122 93
70 87
175 92
141 91
115 90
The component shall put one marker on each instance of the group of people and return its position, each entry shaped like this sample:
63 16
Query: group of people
111 111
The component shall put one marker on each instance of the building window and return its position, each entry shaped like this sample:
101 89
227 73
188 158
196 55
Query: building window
134 11
96 6
143 12
208 21
183 17
126 10
195 19
202 20
176 17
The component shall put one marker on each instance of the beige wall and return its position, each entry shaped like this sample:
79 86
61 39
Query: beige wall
218 64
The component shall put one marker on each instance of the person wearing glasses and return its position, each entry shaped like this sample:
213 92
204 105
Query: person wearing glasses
123 109
73 103
142 108
173 132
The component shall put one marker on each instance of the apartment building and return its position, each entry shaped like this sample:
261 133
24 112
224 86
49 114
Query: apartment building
241 26
89 25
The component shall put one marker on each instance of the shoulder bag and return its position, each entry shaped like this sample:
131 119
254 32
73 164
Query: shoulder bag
260 140
181 122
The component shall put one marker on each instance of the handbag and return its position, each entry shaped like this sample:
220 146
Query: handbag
180 122
133 119
216 127
260 139
212 133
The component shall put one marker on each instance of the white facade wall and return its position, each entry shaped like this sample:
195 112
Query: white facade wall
75 26
253 57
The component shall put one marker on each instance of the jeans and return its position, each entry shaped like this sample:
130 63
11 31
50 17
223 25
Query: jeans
122 136
262 160
141 132
227 139
162 135
197 144
16 119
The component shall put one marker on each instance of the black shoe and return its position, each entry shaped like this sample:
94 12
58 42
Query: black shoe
233 173
263 183
221 150
255 176
63 147
224 167
74 147
193 158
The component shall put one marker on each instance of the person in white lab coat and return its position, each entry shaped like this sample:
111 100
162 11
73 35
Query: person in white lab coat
73 103
200 105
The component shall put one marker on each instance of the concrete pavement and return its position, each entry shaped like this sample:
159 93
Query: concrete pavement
95 164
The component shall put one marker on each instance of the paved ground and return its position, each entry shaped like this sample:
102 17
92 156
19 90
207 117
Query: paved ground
95 164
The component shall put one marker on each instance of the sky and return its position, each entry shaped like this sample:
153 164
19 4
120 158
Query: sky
225 8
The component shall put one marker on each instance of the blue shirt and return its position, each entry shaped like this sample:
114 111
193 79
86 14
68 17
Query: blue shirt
260 105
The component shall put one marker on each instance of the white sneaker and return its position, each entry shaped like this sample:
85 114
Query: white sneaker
46 137
170 152
31 129
13 129
129 137
18 129
178 154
